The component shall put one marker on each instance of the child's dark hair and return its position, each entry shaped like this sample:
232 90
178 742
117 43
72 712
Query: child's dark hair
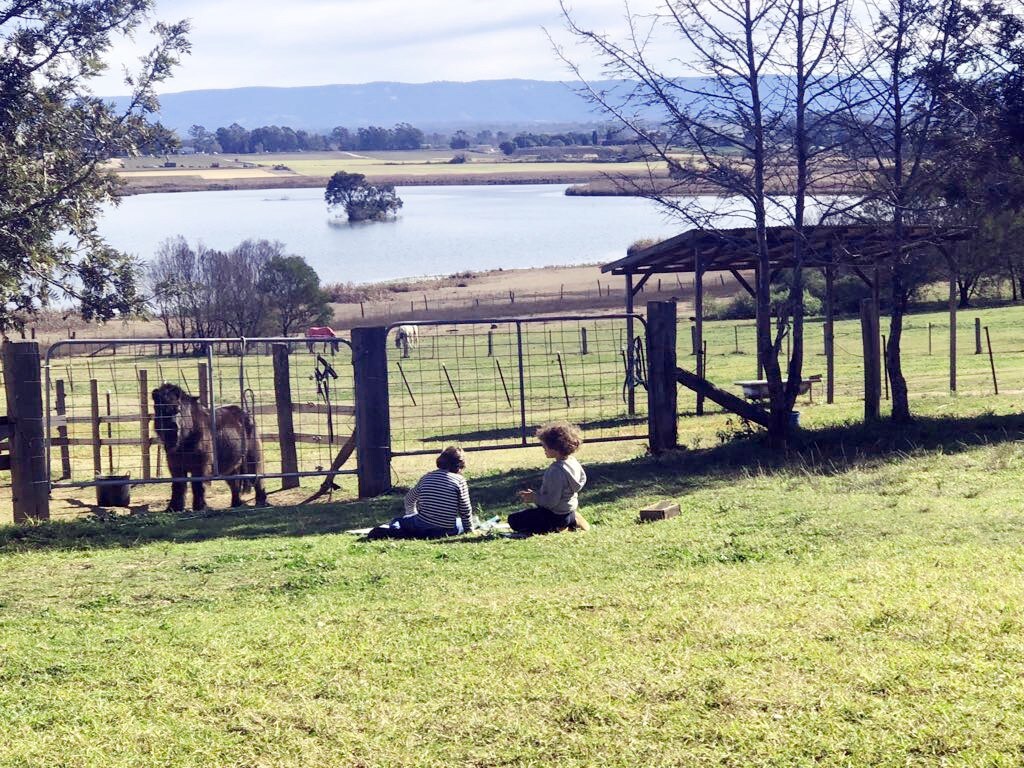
561 436
451 459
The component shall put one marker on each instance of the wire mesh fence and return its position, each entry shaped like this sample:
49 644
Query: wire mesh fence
925 350
106 423
490 384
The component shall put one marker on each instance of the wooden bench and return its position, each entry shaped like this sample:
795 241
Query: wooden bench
757 389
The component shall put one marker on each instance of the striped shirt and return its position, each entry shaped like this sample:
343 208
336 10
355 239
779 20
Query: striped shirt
441 499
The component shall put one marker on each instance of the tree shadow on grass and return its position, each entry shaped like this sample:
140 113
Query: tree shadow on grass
828 451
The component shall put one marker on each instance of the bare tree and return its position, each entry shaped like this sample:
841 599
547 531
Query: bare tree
240 304
750 128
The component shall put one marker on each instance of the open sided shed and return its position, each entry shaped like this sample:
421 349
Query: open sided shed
858 248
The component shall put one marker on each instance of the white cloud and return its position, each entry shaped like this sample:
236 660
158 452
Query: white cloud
308 42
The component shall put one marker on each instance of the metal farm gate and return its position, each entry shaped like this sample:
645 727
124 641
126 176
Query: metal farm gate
98 406
488 384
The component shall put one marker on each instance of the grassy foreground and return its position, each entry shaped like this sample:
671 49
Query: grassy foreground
858 603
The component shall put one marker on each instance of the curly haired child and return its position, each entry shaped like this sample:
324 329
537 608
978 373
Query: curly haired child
557 502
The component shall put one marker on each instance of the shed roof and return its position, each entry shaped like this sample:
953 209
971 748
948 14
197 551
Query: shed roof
855 245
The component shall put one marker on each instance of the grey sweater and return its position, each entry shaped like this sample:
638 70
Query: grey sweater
562 481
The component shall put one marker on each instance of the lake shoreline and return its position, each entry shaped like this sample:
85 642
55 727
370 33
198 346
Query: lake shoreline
144 185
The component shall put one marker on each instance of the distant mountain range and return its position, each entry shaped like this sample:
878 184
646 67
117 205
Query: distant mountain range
428 106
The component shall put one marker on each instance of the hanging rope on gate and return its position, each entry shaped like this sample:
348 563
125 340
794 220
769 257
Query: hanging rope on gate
325 374
639 377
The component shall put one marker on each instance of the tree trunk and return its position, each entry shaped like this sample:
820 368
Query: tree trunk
897 382
964 287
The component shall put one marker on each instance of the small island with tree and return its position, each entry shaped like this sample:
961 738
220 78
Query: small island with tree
362 200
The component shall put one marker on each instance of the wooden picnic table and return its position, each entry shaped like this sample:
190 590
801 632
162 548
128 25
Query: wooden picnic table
757 389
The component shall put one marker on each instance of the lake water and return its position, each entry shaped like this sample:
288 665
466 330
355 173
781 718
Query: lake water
440 230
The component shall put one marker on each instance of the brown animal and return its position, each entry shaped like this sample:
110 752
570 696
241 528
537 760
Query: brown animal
185 429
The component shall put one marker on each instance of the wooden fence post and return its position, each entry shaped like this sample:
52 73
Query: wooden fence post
662 426
30 486
285 423
62 432
144 422
952 332
977 335
204 385
869 336
94 423
373 418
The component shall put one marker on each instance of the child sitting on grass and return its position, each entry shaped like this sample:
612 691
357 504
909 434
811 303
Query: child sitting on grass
557 503
437 506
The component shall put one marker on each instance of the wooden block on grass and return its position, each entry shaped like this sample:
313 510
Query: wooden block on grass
661 510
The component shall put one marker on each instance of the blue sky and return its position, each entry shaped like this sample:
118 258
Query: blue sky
310 42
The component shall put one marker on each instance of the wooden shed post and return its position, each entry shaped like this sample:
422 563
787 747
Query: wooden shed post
373 418
662 414
30 485
830 339
757 323
630 362
285 421
869 337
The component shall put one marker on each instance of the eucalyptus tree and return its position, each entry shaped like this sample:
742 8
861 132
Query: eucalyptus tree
56 137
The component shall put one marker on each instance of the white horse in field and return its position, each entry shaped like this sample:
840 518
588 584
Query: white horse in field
406 337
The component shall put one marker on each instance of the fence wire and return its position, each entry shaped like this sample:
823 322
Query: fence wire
490 384
925 343
100 404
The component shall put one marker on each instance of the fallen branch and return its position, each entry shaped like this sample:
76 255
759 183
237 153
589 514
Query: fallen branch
328 484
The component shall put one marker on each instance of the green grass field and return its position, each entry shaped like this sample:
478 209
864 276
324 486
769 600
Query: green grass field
858 603
855 602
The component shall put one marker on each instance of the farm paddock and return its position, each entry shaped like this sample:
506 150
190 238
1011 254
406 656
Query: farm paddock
857 602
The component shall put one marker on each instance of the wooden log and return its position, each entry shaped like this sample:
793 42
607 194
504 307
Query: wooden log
727 400
30 487
285 423
62 431
662 395
872 367
373 418
94 410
